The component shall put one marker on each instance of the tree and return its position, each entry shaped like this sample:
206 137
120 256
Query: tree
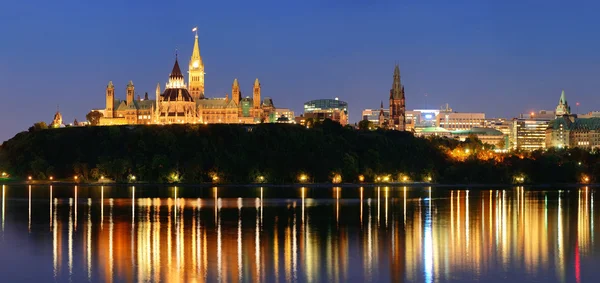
94 117
364 124
38 126
501 144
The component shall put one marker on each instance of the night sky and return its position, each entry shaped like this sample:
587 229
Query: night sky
499 57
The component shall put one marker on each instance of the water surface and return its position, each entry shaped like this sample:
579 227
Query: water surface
379 234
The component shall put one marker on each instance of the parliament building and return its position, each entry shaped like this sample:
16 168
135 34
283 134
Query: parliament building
185 103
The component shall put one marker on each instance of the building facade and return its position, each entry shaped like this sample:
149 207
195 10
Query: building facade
529 130
454 121
321 109
186 103
570 131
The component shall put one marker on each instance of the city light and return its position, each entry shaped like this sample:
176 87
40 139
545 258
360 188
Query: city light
101 177
51 178
337 178
75 177
404 179
429 179
261 178
585 179
302 178
361 178
29 178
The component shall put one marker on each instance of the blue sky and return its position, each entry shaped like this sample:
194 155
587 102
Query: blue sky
499 57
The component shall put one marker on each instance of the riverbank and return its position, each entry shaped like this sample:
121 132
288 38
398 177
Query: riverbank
308 185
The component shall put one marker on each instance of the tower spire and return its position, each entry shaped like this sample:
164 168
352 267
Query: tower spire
196 70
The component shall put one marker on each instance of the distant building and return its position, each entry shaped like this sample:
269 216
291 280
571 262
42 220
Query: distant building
419 119
453 121
321 109
286 112
485 135
592 114
529 130
374 115
570 131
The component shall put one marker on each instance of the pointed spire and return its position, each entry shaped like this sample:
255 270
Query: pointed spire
196 50
256 83
563 99
176 72
236 83
110 85
397 89
381 107
130 84
157 89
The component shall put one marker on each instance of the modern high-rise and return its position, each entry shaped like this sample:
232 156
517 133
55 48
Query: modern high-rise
529 130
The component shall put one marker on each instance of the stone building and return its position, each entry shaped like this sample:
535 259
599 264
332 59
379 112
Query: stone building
181 103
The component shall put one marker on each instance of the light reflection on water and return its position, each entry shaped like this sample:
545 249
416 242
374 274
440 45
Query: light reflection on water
297 234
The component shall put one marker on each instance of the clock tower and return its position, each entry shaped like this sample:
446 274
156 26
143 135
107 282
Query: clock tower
196 72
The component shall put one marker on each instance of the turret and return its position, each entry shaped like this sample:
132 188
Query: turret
236 95
110 100
563 107
130 93
256 94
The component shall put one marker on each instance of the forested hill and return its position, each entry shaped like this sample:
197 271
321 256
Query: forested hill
278 153
236 153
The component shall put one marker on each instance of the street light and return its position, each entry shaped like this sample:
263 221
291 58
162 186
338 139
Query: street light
51 178
29 178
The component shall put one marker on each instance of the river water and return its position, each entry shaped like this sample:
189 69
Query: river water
378 234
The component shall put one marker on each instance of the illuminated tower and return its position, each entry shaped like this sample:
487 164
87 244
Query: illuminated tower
196 72
130 93
397 103
110 100
256 95
563 107
236 94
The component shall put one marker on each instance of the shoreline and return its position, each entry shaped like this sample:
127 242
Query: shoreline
309 185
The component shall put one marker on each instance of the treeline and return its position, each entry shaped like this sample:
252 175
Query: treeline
274 153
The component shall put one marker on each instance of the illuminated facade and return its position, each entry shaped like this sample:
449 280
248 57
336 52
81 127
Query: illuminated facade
529 130
181 103
570 131
453 121
321 109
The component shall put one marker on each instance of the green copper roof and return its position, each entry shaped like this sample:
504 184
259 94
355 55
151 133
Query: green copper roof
579 124
434 130
479 131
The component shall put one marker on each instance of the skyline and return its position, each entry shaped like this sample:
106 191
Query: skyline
499 58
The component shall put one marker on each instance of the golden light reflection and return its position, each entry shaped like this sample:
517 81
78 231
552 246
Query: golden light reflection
463 231
29 209
3 205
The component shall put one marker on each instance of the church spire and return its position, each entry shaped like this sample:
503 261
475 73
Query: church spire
395 93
